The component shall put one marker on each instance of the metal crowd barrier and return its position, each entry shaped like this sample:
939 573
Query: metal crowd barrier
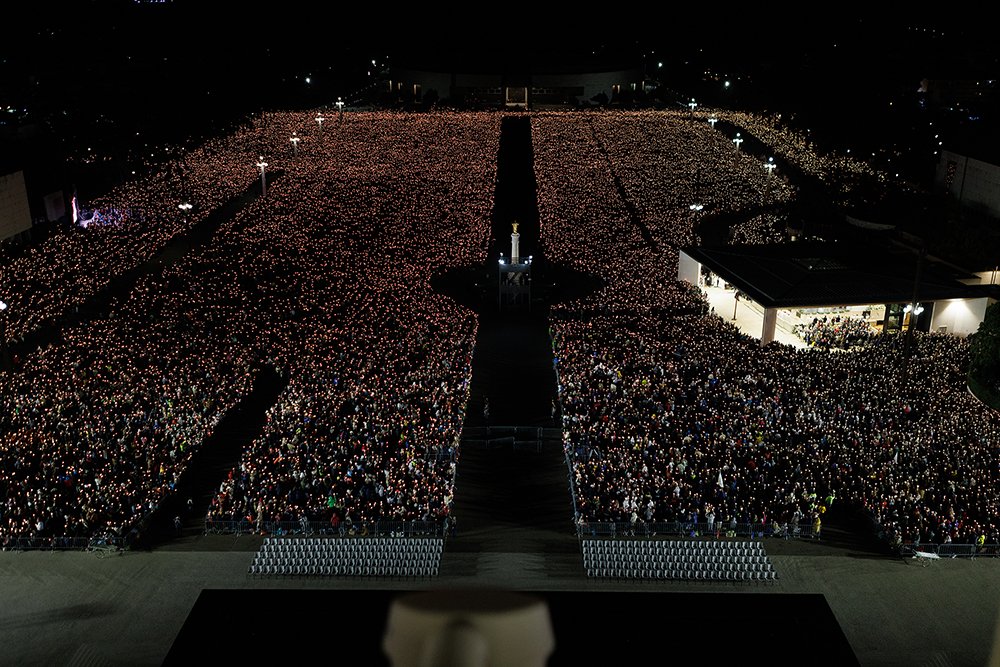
515 437
614 529
951 550
381 528
64 543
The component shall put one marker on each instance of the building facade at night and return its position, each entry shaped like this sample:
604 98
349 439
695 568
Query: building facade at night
972 182
532 86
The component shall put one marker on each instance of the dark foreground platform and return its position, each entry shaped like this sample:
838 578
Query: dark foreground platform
346 627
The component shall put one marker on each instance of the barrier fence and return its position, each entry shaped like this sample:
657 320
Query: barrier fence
387 528
951 550
45 543
395 528
515 437
112 542
718 529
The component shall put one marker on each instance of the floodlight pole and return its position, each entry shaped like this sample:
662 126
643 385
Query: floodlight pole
770 166
4 362
263 179
908 341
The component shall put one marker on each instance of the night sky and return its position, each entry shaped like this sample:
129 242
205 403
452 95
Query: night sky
132 73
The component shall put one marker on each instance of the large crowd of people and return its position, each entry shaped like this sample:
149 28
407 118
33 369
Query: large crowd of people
326 278
840 332
79 260
669 412
379 363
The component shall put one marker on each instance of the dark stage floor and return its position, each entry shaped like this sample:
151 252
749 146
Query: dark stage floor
346 627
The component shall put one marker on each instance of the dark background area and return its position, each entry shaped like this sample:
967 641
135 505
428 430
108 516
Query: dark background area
94 90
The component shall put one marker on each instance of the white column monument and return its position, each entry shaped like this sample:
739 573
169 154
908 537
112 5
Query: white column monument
769 323
515 253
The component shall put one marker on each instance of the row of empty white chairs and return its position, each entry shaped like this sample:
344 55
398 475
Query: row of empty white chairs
368 542
348 556
716 560
348 570
349 547
677 558
690 547
652 574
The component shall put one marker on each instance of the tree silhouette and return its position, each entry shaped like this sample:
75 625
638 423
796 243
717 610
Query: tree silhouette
984 365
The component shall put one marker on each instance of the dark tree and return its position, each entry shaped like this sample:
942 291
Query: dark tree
984 365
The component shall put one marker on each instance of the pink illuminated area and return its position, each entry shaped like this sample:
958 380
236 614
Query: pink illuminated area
103 217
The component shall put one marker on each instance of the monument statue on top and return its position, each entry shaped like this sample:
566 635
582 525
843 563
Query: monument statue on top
514 278
515 253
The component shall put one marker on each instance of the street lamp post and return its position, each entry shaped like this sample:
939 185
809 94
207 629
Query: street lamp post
695 210
340 108
712 121
263 179
914 309
3 336
320 119
186 207
738 140
692 105
770 166
295 144
500 272
182 166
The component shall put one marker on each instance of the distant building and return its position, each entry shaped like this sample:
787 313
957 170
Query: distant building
518 81
15 214
958 94
972 182
808 275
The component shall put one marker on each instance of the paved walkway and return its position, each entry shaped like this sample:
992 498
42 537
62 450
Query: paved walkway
77 609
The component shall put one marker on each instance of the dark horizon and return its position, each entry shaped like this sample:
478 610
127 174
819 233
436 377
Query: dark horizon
138 74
